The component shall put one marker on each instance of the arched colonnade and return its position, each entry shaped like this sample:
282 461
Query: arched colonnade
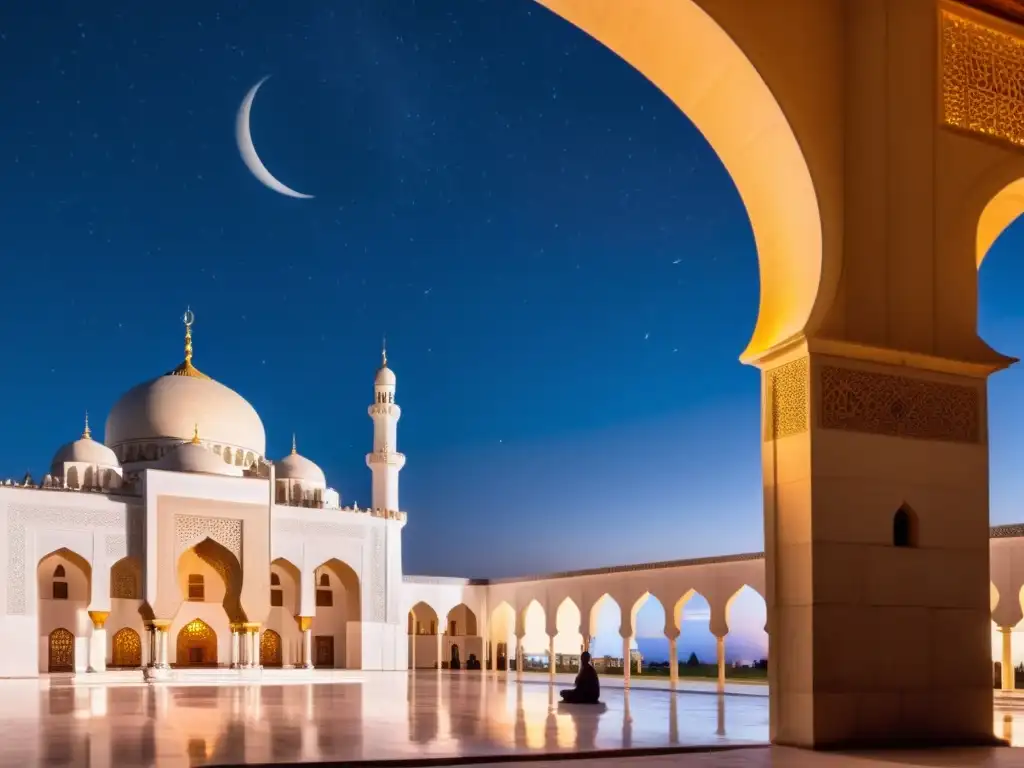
91 624
564 609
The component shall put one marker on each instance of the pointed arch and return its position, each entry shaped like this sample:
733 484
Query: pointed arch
61 650
126 579
197 645
223 563
686 54
271 654
569 628
461 621
423 619
126 648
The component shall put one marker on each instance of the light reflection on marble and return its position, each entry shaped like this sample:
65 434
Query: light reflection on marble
382 716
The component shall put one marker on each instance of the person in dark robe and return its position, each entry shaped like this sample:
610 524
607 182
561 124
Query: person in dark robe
455 663
588 689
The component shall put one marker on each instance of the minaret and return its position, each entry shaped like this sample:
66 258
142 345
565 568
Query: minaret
385 462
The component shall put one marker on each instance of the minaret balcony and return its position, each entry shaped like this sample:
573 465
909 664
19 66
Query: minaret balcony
385 458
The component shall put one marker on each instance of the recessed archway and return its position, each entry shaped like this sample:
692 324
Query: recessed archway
61 651
126 648
197 645
338 603
271 654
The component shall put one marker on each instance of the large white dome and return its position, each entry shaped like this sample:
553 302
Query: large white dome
173 405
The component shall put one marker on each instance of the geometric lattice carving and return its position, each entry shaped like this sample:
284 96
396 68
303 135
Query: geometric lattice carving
982 79
898 406
788 398
189 530
21 516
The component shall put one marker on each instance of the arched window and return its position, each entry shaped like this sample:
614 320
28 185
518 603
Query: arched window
904 528
59 573
196 587
325 580
275 580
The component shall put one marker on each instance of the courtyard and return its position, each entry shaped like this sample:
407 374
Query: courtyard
371 716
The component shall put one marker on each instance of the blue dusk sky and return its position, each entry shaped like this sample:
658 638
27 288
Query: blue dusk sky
564 271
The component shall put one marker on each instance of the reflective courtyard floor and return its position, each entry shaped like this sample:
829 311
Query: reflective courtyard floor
379 716
374 716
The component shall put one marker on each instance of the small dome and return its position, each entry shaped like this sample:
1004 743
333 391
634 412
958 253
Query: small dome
84 450
195 457
297 467
385 376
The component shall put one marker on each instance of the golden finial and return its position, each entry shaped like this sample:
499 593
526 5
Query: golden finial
195 436
294 451
384 352
86 434
188 319
186 368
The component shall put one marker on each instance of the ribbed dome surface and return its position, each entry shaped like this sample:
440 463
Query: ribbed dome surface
190 457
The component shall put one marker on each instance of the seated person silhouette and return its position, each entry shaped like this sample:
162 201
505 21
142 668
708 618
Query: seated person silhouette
472 662
588 689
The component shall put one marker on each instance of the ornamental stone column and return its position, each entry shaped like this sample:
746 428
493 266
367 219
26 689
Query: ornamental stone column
306 627
1006 663
98 641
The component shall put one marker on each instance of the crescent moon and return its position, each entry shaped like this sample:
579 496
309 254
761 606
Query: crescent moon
248 151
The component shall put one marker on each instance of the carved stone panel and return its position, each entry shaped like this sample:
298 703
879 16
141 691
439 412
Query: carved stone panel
788 399
898 406
982 79
189 530
23 517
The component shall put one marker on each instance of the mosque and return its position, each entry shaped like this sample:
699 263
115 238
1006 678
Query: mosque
176 548
176 541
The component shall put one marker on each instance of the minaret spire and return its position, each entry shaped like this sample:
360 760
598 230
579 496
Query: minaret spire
195 436
294 451
86 434
384 352
384 461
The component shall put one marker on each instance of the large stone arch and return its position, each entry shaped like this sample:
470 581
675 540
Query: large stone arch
226 566
684 51
337 625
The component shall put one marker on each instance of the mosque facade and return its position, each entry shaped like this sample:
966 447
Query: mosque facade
176 543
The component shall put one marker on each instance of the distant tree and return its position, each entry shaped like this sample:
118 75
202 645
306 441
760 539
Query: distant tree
761 664
693 661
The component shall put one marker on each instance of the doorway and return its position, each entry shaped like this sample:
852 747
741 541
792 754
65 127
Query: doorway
324 652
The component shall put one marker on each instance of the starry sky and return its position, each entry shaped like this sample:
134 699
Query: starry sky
562 267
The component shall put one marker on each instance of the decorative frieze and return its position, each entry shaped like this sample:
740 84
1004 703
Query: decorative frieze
982 79
899 406
319 529
787 390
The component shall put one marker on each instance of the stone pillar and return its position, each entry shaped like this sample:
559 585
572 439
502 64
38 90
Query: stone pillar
253 640
235 650
519 658
626 665
552 667
440 647
98 641
586 643
720 656
1006 663
673 659
160 630
875 492
306 627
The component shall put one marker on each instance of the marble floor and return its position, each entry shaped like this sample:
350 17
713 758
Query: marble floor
383 716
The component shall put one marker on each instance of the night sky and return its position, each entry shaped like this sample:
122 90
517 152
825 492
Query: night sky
562 267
